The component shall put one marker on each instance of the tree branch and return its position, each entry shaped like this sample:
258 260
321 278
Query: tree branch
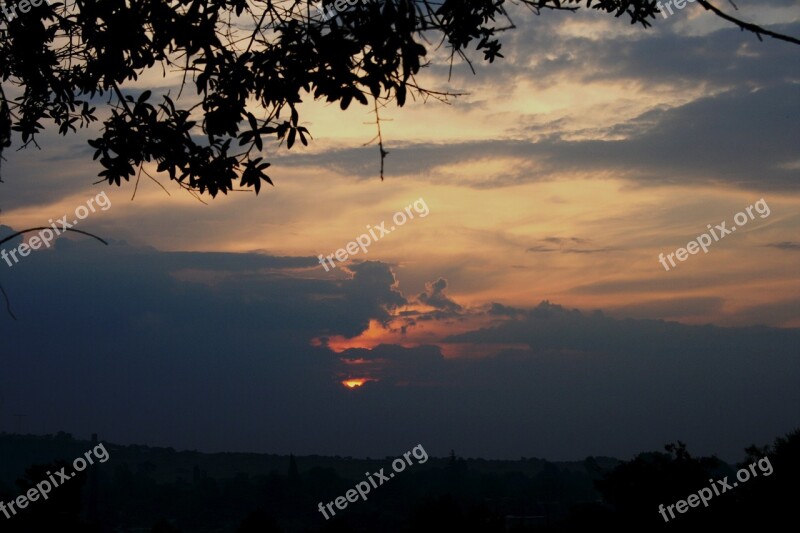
747 26
8 303
17 234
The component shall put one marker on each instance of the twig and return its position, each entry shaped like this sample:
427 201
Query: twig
17 234
379 137
8 303
747 26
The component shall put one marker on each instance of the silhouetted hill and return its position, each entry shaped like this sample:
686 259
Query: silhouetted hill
142 488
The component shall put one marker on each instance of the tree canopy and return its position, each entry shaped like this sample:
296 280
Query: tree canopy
59 61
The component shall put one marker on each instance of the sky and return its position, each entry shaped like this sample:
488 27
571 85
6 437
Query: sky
522 312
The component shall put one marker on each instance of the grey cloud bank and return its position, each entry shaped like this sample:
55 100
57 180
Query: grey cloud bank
586 383
690 144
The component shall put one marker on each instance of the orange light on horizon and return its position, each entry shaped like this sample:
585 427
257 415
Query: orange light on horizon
355 383
376 334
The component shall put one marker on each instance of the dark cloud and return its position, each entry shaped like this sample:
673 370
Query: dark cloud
564 240
398 366
724 58
699 306
496 309
37 177
744 133
691 144
785 245
569 245
785 311
435 296
661 281
120 340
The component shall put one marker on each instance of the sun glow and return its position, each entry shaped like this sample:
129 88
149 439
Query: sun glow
354 383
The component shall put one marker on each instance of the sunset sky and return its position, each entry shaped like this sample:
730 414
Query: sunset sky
526 315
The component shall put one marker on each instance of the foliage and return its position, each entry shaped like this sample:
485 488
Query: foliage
240 57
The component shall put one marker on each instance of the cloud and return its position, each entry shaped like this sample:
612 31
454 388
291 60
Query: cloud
780 312
785 245
689 144
148 346
699 96
631 286
435 297
569 245
695 307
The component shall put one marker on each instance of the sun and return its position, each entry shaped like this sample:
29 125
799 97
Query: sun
354 383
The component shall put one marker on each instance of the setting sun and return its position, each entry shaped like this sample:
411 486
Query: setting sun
354 383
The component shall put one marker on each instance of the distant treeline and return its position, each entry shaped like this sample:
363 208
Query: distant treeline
148 489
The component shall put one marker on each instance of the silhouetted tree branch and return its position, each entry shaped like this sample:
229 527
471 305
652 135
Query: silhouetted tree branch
747 26
250 63
17 234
